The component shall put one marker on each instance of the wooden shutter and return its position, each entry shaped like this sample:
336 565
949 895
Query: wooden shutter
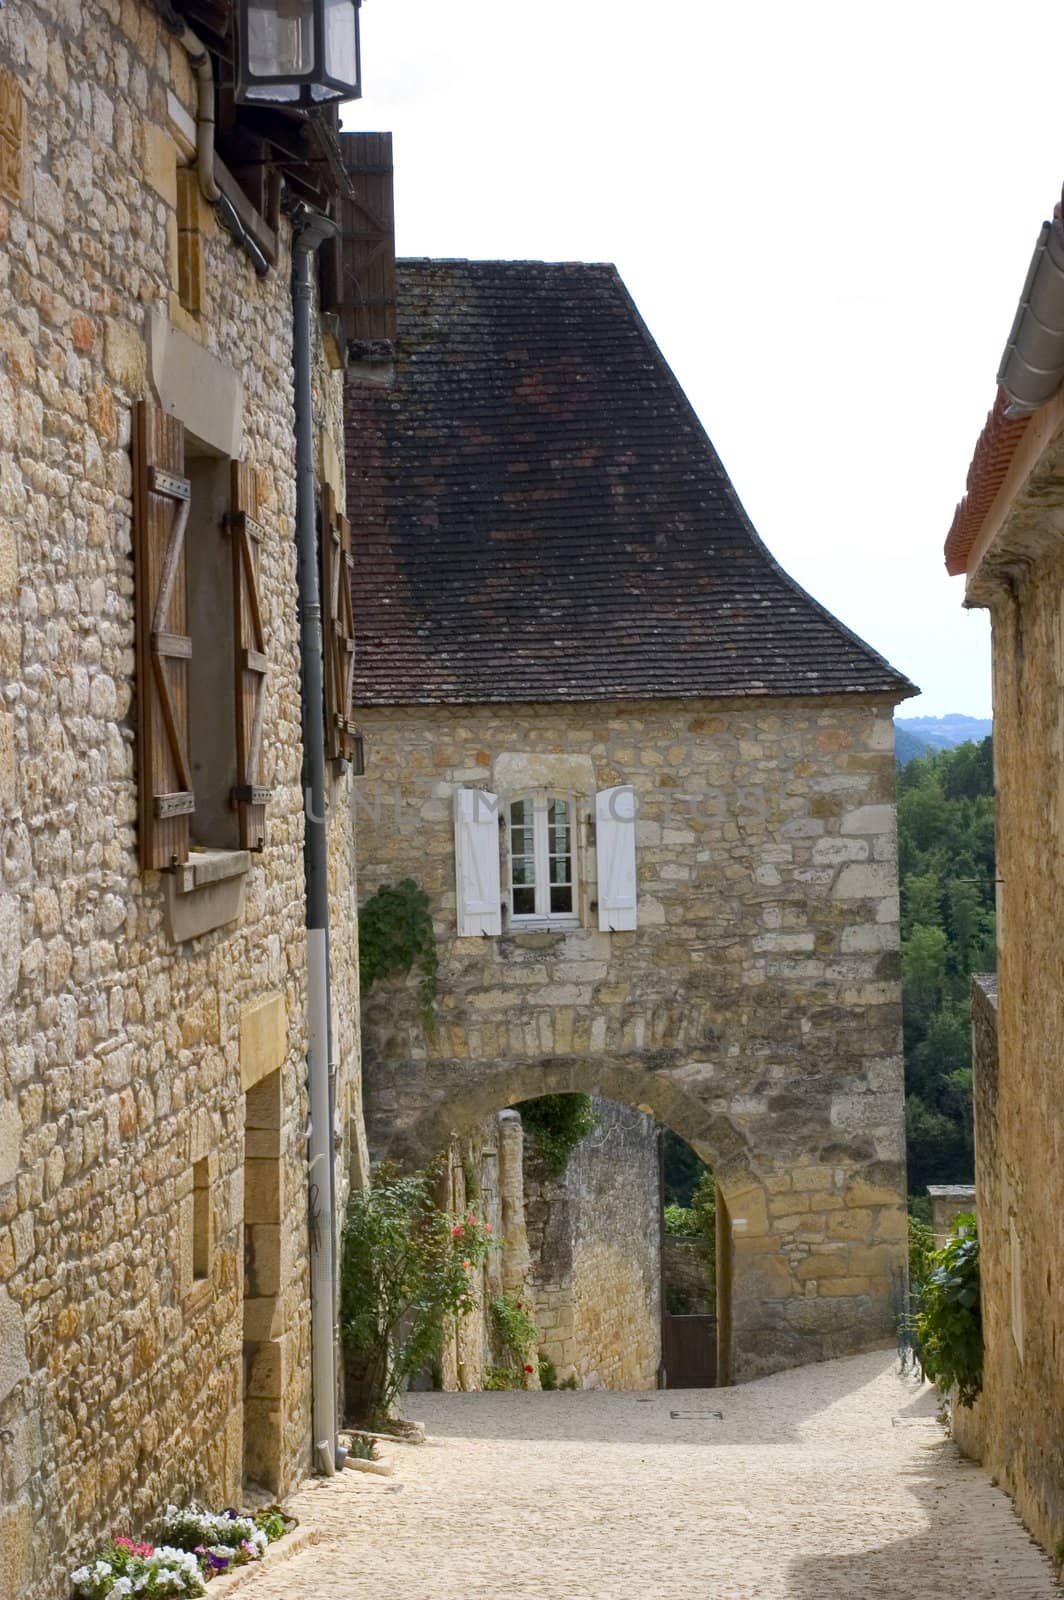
163 648
615 820
339 632
249 797
477 862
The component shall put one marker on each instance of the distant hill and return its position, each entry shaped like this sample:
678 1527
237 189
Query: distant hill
914 736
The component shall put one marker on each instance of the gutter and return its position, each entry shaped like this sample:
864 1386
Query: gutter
1032 366
310 230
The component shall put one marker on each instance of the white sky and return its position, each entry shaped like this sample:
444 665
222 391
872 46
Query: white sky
825 213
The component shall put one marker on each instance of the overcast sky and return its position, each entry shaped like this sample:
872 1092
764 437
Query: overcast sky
825 213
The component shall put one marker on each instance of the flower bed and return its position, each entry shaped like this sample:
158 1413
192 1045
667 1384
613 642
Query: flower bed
194 1546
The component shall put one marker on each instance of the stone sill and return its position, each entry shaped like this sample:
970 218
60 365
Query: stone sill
206 892
210 866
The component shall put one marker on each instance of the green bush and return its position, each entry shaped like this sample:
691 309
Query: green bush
703 1214
678 1219
548 1373
500 1378
513 1323
556 1124
407 1266
921 1251
949 1324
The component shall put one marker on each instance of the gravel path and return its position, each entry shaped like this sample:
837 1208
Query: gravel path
833 1482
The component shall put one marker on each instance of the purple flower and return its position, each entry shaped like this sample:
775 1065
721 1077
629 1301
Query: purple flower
219 1563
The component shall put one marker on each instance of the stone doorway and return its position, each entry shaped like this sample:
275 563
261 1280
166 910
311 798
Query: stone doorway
264 1344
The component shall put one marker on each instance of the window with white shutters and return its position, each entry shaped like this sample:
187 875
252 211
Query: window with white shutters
615 825
541 833
477 862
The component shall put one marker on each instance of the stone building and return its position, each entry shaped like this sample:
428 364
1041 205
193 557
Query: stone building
580 1249
646 781
1005 540
155 1306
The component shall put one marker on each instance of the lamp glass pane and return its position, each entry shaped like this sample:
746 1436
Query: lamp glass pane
341 42
280 38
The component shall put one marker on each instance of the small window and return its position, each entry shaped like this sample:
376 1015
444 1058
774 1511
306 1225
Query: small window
201 1220
543 885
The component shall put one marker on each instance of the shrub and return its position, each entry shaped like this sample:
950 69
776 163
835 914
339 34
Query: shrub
921 1250
949 1325
556 1124
513 1323
548 1374
407 1266
703 1214
678 1220
498 1378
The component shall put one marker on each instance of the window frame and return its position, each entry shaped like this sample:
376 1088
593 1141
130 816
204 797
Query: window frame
543 917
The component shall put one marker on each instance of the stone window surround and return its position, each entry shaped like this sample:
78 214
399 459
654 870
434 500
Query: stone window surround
518 775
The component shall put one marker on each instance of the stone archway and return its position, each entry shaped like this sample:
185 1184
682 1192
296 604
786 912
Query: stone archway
811 1240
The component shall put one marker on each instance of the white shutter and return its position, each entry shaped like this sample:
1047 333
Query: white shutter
477 871
615 816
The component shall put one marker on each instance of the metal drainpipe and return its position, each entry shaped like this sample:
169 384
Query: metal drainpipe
311 229
200 62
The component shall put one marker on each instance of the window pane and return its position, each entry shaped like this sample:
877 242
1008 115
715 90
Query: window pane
280 41
521 814
559 870
523 870
558 813
522 842
561 900
559 841
341 57
524 902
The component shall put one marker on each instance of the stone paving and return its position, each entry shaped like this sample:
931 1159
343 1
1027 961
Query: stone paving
831 1482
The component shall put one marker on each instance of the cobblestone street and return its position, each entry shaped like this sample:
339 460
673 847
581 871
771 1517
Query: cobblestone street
832 1482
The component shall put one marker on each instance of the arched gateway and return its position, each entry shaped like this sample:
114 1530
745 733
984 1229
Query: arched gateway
645 781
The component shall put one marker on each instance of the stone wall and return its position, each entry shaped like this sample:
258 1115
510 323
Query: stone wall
580 1250
152 1100
755 1010
594 1239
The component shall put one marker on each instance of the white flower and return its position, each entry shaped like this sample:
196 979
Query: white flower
122 1586
103 1569
81 1575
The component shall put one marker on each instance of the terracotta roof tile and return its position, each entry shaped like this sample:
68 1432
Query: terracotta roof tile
991 461
538 515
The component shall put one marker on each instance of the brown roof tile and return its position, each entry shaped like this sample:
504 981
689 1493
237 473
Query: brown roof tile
538 514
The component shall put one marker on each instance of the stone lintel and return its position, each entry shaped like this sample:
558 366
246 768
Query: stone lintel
263 1039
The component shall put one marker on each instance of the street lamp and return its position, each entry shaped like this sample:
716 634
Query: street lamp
299 52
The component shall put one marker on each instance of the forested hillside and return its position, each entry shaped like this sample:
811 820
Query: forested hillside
946 859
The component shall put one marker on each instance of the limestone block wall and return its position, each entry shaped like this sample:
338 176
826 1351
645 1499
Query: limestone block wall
581 1250
594 1238
1019 1157
755 1009
132 1174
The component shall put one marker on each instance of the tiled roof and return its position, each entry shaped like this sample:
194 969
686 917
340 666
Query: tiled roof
538 515
994 451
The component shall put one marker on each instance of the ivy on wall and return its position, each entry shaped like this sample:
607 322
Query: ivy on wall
395 934
556 1124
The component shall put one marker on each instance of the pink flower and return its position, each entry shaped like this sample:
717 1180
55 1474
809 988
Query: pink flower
487 1227
467 1266
457 1231
471 1219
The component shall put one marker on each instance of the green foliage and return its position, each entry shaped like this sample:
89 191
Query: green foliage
407 1266
678 1219
703 1214
548 1374
949 1325
682 1169
569 1382
556 1124
921 1249
363 1448
513 1323
395 934
946 858
677 1301
499 1378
